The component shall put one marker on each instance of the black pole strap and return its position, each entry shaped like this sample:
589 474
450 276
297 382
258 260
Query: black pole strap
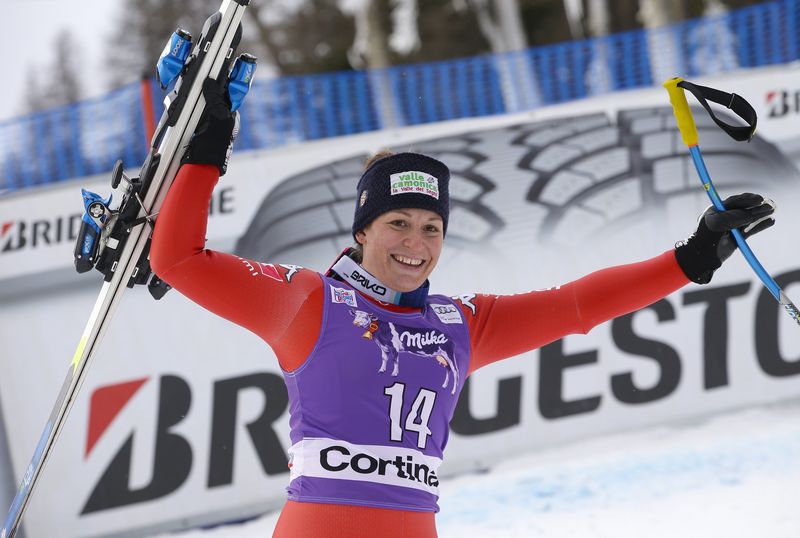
731 101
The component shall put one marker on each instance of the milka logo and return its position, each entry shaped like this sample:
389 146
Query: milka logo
414 182
419 340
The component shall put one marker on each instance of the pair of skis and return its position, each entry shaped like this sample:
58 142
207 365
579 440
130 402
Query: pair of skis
117 242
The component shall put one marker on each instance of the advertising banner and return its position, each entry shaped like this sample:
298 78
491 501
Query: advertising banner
183 418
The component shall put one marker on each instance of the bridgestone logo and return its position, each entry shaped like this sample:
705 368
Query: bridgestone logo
329 458
414 183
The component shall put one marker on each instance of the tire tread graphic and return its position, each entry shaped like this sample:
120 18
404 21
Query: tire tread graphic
551 182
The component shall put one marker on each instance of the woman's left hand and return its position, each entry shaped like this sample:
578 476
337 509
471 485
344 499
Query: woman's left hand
712 243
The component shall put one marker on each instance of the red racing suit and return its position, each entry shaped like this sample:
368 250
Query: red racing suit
284 306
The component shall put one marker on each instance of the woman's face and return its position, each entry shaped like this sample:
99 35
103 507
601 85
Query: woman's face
402 246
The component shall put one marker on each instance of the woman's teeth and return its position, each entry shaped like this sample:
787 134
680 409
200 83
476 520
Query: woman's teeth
408 261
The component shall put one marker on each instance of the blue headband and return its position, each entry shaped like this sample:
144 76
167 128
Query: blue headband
399 181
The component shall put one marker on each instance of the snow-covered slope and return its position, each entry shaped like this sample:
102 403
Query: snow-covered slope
735 475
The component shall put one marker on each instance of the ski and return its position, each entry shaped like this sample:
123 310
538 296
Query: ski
117 242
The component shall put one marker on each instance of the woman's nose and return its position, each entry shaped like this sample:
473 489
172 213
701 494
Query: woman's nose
413 239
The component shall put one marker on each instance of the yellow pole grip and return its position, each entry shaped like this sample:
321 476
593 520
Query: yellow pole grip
682 112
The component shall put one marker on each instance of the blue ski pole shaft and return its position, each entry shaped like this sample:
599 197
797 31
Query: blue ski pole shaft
702 171
686 126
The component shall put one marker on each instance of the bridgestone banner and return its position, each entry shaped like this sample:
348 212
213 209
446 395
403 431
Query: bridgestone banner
183 419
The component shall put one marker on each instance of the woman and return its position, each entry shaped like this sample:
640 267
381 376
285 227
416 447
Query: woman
372 361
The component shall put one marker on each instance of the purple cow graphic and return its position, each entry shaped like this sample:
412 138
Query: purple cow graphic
392 342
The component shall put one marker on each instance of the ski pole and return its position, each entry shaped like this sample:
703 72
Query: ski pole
683 114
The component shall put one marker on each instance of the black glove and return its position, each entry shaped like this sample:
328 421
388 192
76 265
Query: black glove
213 140
712 243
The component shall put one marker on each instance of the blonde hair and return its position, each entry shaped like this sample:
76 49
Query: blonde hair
378 155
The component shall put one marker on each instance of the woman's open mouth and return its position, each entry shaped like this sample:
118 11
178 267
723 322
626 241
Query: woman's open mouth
408 262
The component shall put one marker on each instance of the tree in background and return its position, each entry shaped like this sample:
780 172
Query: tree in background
500 22
293 37
58 83
143 28
734 4
458 37
392 32
289 37
312 36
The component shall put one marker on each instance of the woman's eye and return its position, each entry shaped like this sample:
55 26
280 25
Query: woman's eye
398 223
432 229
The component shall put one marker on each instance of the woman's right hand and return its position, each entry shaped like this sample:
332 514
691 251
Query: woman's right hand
212 142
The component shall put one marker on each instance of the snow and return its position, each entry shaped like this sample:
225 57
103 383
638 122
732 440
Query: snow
734 475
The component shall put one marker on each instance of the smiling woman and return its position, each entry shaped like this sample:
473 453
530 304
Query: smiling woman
400 223
373 362
402 247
